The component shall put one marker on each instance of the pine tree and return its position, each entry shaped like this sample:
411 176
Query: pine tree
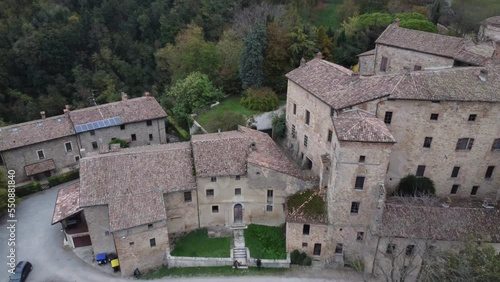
252 58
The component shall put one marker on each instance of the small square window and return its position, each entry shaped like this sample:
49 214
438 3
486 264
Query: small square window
472 117
454 189
306 229
305 140
360 182
94 145
330 135
237 191
106 233
496 145
339 248
150 137
113 138
213 179
420 170
417 68
237 177
388 117
134 137
92 132
410 249
77 158
355 207
269 208
360 236
152 242
434 116
40 154
68 146
210 192
149 122
454 172
122 126
188 197
131 243
304 244
473 192
215 209
390 249
464 144
150 226
362 159
427 142
489 172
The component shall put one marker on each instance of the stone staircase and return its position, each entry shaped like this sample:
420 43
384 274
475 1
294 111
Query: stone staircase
239 250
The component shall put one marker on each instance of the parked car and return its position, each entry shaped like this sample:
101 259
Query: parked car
21 272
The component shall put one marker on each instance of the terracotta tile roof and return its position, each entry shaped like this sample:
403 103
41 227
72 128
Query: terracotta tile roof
148 169
131 110
301 214
220 154
358 125
67 203
40 166
135 209
23 134
431 43
493 21
438 223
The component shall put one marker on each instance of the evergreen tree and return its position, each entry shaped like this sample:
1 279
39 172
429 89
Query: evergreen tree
252 58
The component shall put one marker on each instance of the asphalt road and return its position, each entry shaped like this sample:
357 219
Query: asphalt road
41 243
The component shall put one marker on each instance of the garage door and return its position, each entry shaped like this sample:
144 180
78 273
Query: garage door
82 241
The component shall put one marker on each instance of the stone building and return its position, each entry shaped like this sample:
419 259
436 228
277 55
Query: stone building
48 146
490 29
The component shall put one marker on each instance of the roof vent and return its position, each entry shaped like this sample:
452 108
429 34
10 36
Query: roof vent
483 75
39 124
253 147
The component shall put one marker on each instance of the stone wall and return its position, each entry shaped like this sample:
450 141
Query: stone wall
182 216
98 222
366 65
197 261
489 32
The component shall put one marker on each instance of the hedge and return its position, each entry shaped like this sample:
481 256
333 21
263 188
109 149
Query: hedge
28 189
260 99
183 134
62 178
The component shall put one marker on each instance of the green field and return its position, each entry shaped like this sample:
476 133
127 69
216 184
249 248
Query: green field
212 271
325 14
198 244
266 242
231 104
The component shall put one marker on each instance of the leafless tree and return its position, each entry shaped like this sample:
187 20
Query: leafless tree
244 20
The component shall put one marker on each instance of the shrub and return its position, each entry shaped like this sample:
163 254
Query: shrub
123 143
307 261
415 186
28 189
63 178
183 134
226 122
300 258
260 99
279 125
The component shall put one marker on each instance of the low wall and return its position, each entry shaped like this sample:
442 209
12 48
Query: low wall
197 261
270 263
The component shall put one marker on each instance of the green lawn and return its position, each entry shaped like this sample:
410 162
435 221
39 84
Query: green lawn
197 244
265 242
231 104
326 14
212 271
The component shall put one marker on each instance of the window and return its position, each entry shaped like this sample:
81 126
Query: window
454 189
362 159
417 68
390 249
269 208
473 192
133 137
94 145
339 248
455 171
420 170
360 236
131 243
215 209
188 197
237 191
306 229
77 158
150 226
388 117
332 112
305 140
210 192
434 116
92 132
113 138
122 127
106 233
152 242
496 145
489 172
355 207
68 146
294 108
330 134
472 117
40 154
213 179
383 64
317 250
427 142
269 196
308 164
301 156
360 182
150 137
304 244
308 117
149 122
464 144
294 132
410 249
237 177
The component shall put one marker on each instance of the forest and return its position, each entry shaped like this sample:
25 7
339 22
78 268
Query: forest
86 52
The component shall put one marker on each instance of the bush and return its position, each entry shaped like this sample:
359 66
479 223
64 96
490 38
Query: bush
307 261
63 178
123 143
226 122
260 99
415 186
296 257
183 134
28 189
279 125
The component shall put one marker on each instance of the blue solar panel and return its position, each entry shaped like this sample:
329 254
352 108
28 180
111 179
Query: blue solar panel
98 124
106 122
78 129
101 123
118 120
111 121
84 127
90 126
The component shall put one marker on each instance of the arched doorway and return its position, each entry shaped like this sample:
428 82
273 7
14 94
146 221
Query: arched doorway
238 213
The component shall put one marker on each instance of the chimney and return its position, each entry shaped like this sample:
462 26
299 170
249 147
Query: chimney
483 75
115 147
302 62
396 22
42 113
66 111
147 94
67 108
319 55
124 96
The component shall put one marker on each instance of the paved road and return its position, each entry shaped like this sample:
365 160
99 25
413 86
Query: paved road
41 243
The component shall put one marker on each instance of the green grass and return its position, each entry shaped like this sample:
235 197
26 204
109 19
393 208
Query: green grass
265 242
231 104
197 244
315 209
212 271
326 15
479 10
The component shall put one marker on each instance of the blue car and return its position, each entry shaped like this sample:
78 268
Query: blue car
21 272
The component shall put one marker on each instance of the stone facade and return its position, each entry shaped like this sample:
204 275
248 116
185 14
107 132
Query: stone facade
366 64
98 222
182 213
488 32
